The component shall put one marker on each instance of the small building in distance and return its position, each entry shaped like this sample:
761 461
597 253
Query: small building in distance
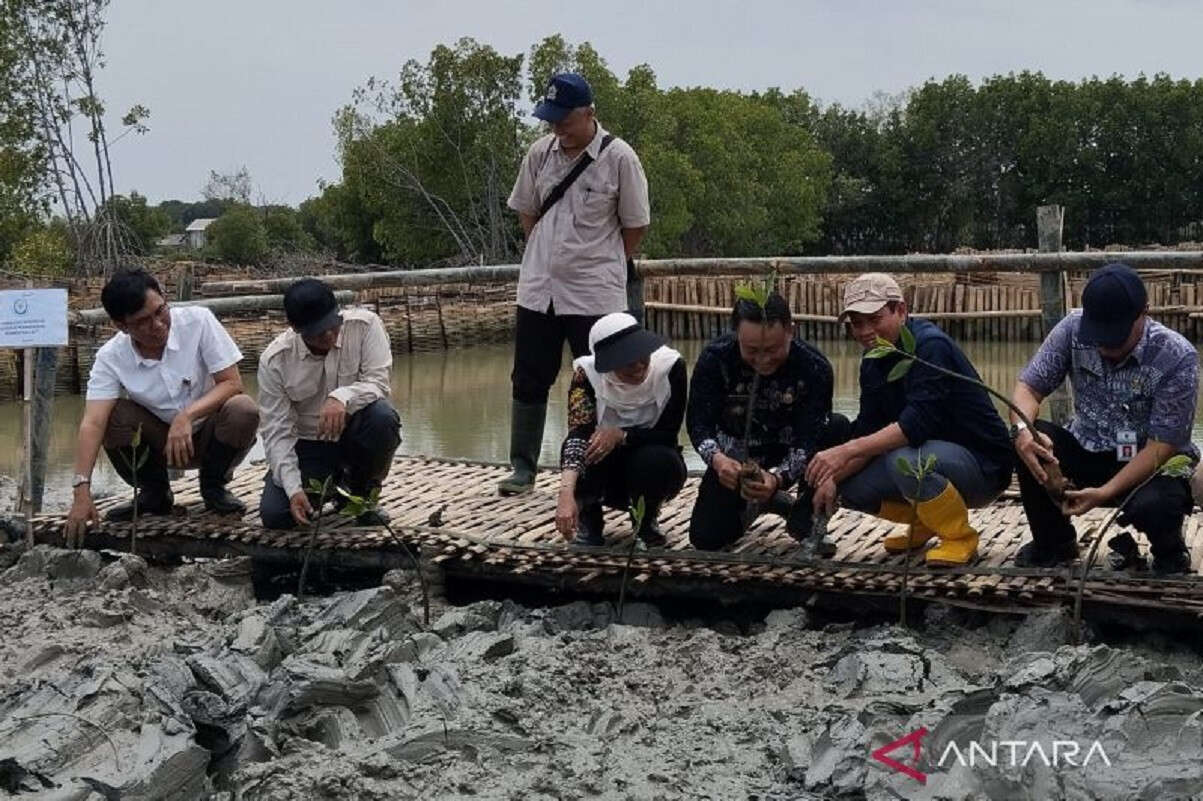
172 242
195 232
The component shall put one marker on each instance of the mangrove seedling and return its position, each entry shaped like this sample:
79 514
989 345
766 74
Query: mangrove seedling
357 505
637 511
1055 484
322 490
919 469
134 460
757 293
1179 466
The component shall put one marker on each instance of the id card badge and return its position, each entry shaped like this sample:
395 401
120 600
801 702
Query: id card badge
1125 445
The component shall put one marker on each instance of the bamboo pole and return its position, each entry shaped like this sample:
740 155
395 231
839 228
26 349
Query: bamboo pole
219 306
1053 300
804 265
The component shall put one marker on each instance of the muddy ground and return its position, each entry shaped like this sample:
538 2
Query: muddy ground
123 681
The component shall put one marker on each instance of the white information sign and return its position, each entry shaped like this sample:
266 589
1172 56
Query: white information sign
33 318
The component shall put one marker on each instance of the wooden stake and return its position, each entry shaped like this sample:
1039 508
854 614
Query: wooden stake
1049 223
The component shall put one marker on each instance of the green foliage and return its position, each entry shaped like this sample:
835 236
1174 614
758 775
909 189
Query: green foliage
899 370
638 510
358 504
145 223
282 226
44 251
238 236
1179 466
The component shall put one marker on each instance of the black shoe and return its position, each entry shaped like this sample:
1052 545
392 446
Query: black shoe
650 531
150 502
373 517
1031 556
1125 554
590 526
782 504
1176 563
218 464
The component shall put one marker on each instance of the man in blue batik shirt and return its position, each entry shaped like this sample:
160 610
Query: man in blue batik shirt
1134 387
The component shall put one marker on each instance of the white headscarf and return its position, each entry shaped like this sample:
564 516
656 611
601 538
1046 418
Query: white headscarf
628 405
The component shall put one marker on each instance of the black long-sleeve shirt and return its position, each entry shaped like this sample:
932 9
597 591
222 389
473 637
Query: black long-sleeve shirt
928 405
792 406
582 417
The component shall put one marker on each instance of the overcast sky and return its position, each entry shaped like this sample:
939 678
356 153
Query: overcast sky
254 82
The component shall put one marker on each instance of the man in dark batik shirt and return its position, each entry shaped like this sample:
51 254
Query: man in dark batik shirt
1134 388
791 420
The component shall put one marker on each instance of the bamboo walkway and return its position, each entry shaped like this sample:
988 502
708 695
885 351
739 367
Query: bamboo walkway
450 510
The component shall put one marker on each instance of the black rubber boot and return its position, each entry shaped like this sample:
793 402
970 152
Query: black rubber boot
649 528
526 441
1053 556
215 473
591 525
1124 554
154 494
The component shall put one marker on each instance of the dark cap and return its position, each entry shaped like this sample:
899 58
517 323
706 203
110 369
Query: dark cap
565 92
618 339
310 307
1112 301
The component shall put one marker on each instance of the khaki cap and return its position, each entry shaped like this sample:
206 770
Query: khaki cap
870 292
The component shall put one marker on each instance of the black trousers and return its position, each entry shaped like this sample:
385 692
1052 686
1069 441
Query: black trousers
539 346
1158 509
654 472
361 458
720 516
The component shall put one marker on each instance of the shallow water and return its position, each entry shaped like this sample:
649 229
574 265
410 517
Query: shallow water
456 403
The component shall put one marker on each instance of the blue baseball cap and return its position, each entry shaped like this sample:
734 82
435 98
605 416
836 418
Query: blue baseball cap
565 92
1112 301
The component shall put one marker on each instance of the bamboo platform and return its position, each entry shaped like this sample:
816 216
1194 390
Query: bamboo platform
450 510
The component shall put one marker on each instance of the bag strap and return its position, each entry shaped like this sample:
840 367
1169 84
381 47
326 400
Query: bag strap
562 187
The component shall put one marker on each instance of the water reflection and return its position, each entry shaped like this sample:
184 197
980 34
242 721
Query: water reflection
457 403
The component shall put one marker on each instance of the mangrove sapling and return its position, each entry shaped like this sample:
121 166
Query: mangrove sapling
322 490
757 294
134 460
1055 482
357 505
920 469
1175 467
638 510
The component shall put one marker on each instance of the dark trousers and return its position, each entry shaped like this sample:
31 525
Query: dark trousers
720 516
539 346
360 458
1158 509
233 425
653 472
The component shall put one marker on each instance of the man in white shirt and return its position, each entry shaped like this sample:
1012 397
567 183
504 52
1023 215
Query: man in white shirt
173 372
324 388
579 244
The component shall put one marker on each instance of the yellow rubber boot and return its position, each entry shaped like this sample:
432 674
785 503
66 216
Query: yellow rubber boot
917 535
947 515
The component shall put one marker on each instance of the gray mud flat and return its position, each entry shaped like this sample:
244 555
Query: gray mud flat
121 681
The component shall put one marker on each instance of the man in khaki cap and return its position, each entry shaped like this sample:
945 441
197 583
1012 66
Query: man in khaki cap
920 414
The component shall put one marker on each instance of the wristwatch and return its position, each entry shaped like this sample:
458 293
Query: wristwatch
1016 427
79 478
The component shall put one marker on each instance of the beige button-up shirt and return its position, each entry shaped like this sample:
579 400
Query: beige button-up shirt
574 257
294 383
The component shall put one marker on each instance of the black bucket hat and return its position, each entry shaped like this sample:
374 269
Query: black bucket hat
618 339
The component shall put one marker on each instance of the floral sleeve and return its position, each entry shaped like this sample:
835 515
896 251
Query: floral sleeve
582 421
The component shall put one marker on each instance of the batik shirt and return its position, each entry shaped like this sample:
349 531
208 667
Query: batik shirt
792 407
1151 392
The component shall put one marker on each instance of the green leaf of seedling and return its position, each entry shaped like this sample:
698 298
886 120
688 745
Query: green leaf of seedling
905 467
929 464
908 340
1179 466
745 292
136 440
899 370
878 352
142 459
316 487
374 498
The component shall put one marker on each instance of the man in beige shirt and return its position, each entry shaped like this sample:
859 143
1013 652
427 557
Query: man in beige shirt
578 244
323 391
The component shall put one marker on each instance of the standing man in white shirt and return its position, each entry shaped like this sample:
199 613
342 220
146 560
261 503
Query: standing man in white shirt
173 371
581 196
324 387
